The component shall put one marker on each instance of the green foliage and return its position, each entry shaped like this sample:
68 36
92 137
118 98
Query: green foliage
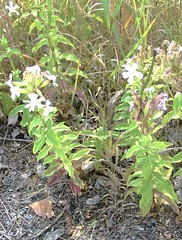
100 140
85 44
7 103
139 116
56 144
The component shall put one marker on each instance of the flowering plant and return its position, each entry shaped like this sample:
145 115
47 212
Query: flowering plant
139 116
53 143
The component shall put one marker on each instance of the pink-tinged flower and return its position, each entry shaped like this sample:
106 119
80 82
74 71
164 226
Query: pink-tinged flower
131 72
34 102
161 101
12 8
166 72
34 69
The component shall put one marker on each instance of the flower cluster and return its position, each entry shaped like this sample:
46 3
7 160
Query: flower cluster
33 78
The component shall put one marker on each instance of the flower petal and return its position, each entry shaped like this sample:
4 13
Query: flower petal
130 80
126 75
139 75
134 66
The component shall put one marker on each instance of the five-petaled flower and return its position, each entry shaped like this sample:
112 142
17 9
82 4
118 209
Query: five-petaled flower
131 72
12 8
34 102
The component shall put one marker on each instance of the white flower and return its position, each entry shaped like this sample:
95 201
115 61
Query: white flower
9 82
131 72
51 77
47 108
13 89
12 9
34 69
131 106
33 102
150 89
15 92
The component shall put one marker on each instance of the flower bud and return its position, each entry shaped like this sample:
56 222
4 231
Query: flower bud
149 52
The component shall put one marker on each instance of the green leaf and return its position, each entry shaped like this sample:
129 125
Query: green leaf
66 161
45 59
147 195
43 153
159 145
36 121
107 16
121 126
49 171
2 56
177 158
79 154
168 117
53 138
70 137
74 71
89 143
69 57
177 104
16 110
157 128
61 127
164 185
36 24
178 173
62 39
42 42
38 144
71 146
132 127
26 118
132 151
88 133
49 159
7 103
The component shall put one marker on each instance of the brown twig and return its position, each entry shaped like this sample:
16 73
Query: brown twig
14 139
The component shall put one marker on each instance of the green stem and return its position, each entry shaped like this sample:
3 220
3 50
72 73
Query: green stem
150 71
12 64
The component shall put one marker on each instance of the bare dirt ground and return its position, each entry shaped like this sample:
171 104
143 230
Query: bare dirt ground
100 213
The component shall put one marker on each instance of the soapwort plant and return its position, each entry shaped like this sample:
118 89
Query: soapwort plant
140 115
54 143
